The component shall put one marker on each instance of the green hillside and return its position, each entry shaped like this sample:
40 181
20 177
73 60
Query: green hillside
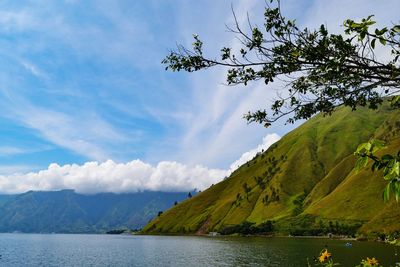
305 181
68 212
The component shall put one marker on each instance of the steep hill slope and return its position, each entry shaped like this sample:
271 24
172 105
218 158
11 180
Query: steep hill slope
306 180
68 212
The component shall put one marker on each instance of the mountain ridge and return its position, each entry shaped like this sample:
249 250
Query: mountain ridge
66 211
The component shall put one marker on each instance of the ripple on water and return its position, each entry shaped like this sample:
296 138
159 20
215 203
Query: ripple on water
111 250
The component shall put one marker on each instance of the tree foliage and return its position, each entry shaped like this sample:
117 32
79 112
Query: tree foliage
389 164
320 70
248 228
323 70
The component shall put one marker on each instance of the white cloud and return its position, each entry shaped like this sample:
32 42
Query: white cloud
136 175
9 150
9 170
11 21
94 177
14 150
88 135
33 69
267 142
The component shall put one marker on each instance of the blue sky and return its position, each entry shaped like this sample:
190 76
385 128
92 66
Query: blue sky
81 81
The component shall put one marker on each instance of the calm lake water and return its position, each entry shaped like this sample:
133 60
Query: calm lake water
119 250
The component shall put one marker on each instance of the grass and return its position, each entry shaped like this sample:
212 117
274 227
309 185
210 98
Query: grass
309 172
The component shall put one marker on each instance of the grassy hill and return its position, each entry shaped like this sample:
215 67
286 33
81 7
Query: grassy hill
302 183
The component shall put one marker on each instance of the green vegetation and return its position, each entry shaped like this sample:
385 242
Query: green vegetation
68 212
310 225
305 183
307 180
322 71
390 164
248 228
116 231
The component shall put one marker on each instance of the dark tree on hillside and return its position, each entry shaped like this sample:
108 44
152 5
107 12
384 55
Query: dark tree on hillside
246 189
320 70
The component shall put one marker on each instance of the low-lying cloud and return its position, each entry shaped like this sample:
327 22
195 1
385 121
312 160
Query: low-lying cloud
133 176
268 140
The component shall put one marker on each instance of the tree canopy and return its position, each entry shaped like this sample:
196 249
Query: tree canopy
320 70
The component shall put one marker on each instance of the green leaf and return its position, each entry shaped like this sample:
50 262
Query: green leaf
373 43
361 163
396 168
362 35
395 100
389 177
368 146
396 28
387 157
396 189
376 166
386 192
381 32
377 145
369 23
382 41
370 17
363 146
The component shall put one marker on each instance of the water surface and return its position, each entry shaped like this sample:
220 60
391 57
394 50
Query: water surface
120 250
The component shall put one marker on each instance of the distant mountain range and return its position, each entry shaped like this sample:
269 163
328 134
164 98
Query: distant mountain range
68 212
305 183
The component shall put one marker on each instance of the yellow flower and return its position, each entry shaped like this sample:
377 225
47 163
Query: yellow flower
324 255
372 262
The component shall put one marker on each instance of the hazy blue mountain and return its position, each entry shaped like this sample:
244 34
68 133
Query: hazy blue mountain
68 212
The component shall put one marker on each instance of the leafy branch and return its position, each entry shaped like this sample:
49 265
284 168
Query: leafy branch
390 164
322 70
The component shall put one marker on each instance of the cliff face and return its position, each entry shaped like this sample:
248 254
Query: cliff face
307 178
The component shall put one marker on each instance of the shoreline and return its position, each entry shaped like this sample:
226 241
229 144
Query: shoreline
352 239
264 236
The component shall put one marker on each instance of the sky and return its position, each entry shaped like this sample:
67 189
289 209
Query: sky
86 103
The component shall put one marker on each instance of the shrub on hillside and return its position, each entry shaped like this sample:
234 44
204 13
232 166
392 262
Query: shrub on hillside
248 228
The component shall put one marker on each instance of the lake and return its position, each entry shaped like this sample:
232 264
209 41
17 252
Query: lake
122 250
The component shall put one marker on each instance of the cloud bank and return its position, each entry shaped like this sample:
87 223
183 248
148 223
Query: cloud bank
133 176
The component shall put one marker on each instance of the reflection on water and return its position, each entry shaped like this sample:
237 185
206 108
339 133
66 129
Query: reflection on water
110 250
